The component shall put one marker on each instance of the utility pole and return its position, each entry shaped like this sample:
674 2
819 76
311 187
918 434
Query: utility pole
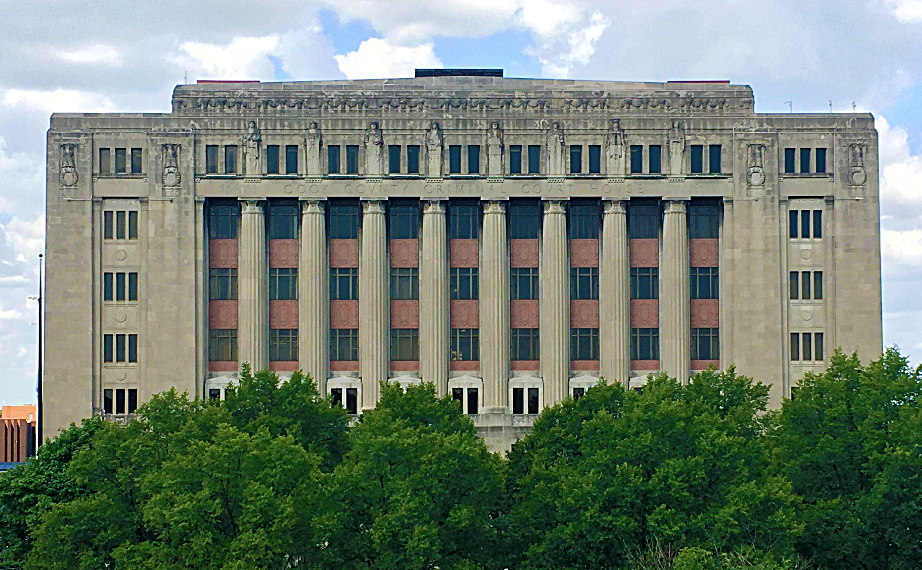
41 411
790 105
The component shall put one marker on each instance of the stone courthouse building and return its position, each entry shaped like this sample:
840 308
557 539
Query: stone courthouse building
510 240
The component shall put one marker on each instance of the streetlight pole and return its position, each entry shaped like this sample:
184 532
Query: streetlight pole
41 411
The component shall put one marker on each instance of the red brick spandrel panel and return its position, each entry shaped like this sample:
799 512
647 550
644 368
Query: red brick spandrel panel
344 314
404 314
584 253
283 365
584 313
703 253
222 314
404 365
404 253
283 253
644 313
644 252
464 313
283 314
222 366
524 314
344 253
464 365
222 253
464 253
344 366
697 365
705 313
584 365
526 365
523 253
645 365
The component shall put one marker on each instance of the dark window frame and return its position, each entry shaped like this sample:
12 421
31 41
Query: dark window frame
584 344
584 283
523 283
404 283
465 345
645 344
404 345
515 159
525 344
283 283
222 343
283 345
464 283
344 283
272 159
645 283
344 343
705 344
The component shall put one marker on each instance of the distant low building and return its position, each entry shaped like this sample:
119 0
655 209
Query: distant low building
17 434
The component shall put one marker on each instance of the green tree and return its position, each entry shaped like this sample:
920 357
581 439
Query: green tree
851 444
417 489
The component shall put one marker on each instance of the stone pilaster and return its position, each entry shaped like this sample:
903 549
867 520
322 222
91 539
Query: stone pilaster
615 296
555 304
374 325
494 307
253 294
433 298
675 318
314 295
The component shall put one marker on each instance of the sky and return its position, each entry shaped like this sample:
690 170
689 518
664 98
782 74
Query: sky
126 56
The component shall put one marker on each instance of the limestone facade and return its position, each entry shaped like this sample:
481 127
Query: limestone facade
509 240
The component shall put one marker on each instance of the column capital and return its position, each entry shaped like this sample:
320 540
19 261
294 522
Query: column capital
373 206
494 207
251 207
675 206
434 207
554 207
615 207
312 206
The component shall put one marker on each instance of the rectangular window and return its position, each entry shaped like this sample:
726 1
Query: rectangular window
291 159
821 160
120 346
230 159
656 158
336 396
454 159
584 344
120 287
413 159
584 283
473 159
472 405
457 394
817 285
523 282
464 283
222 284
792 224
525 345
404 283
524 219
136 161
518 400
697 159
344 344
576 158
107 225
352 400
595 159
222 221
107 401
403 222
465 344
222 345
272 159
283 283
818 351
105 161
645 283
132 400
643 219
344 283
211 159
714 159
120 401
705 282
805 285
132 348
515 159
534 159
794 286
120 217
352 159
636 159
806 347
132 286
644 344
107 287
214 394
585 218
703 220
283 221
405 344
789 154
132 225
393 159
120 161
805 160
805 224
463 221
107 343
283 344
578 393
705 344
344 220
817 224
532 401
333 155
795 346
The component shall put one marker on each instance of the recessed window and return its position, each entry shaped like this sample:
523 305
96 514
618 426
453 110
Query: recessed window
403 222
465 344
120 286
805 224
656 158
578 393
351 403
120 224
125 348
644 344
805 160
705 282
804 219
344 283
518 401
333 155
585 218
120 400
473 159
291 159
534 159
283 221
703 220
344 220
283 344
524 219
595 159
821 160
463 221
222 284
576 158
526 344
523 282
222 221
283 283
344 344
643 219
714 158
404 283
472 401
636 159
464 283
272 159
230 159
136 161
644 283
393 159
105 161
584 282
705 344
817 224
697 159
515 159
789 156
214 394
405 344
454 159
222 345
584 344
413 159
352 159
806 285
121 160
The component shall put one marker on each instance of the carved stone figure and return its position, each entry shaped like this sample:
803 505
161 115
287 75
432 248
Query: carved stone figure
555 151
314 143
434 151
68 165
756 172
374 150
171 176
676 148
614 150
251 148
857 174
495 151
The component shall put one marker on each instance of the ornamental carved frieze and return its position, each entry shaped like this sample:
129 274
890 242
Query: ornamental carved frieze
68 175
857 174
755 170
170 177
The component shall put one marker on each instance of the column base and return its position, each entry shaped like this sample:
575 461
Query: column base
499 428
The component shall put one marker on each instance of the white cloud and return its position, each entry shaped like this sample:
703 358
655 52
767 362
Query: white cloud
21 180
11 314
98 53
902 246
26 237
908 10
580 45
242 58
376 58
58 101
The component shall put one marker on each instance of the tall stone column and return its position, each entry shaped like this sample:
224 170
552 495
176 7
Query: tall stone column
494 307
433 298
253 294
374 325
555 304
615 295
314 295
675 317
